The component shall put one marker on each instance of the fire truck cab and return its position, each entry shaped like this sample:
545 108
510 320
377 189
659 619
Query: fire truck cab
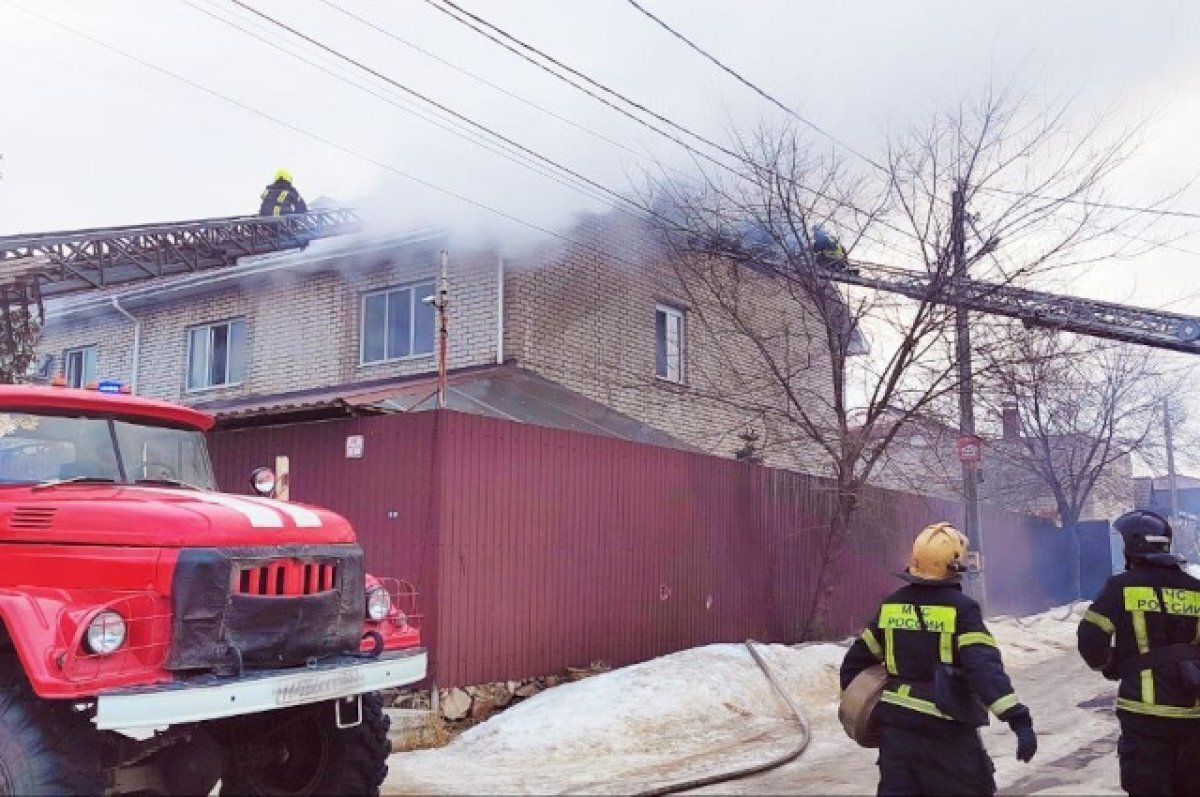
159 636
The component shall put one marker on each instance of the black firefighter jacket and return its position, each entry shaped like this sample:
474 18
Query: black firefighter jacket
1146 608
953 633
281 198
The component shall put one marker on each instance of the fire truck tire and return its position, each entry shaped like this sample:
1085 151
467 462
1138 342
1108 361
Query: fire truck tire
45 748
321 758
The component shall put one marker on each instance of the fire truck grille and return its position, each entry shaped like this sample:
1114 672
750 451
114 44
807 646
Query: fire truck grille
265 606
285 577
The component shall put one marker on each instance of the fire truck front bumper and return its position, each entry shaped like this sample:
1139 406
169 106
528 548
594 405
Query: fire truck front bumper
202 698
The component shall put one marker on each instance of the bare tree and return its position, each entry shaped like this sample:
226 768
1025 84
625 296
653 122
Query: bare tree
741 249
1085 409
21 317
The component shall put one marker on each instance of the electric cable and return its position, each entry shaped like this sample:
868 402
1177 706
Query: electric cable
474 21
429 100
755 88
479 78
309 134
451 126
1182 214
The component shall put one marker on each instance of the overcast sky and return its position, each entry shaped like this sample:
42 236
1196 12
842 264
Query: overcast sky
90 138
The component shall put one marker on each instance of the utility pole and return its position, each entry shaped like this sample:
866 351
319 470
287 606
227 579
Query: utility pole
966 395
1172 482
441 303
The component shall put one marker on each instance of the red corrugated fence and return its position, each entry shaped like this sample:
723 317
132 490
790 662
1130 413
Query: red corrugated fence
536 549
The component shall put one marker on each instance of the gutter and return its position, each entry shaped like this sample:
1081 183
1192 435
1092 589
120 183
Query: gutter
137 342
499 310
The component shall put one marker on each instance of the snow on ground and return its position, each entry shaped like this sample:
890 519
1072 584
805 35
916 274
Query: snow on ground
710 709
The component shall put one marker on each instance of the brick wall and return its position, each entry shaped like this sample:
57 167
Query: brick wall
302 329
584 316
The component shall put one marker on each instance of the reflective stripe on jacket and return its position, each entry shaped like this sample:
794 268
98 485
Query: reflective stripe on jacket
950 630
1144 609
281 198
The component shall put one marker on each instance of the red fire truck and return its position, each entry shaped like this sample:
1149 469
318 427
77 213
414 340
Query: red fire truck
159 636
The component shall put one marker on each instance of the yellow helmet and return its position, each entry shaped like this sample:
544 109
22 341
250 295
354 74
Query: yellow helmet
939 553
283 174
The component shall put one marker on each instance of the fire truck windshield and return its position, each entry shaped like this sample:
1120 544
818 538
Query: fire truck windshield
51 449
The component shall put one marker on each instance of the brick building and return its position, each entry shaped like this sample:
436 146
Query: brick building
597 336
923 458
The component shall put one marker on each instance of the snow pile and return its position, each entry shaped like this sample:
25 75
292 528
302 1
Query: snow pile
1028 640
711 709
705 708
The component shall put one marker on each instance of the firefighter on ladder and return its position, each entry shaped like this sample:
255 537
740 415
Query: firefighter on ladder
281 198
827 248
944 674
1143 630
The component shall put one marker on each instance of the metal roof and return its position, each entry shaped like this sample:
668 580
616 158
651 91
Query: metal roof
501 391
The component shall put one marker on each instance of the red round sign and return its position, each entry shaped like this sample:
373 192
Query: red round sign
970 448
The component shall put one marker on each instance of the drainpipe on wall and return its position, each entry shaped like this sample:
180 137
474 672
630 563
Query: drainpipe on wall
499 311
137 342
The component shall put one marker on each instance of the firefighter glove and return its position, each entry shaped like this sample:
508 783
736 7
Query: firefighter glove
1022 725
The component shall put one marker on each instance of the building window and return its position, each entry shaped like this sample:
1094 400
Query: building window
397 323
668 343
80 366
216 355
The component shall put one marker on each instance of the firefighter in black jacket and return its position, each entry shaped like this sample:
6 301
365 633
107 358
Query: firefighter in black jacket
1143 629
929 720
281 198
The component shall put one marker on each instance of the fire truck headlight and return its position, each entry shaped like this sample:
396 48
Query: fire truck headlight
263 481
379 603
106 633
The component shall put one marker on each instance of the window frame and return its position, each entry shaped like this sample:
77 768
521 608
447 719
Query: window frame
210 326
413 302
671 311
82 352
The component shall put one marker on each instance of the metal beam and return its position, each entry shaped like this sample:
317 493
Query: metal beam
1155 328
66 262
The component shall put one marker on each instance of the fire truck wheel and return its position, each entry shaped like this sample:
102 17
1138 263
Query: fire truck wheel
45 748
301 751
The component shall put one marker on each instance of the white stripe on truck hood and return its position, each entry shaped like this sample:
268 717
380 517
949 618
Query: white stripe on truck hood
261 517
304 518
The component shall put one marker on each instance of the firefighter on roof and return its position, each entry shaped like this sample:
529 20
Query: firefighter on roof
1143 630
944 674
281 198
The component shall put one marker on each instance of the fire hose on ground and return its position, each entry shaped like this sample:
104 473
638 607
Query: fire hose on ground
757 769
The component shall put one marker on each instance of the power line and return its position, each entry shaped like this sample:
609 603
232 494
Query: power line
301 131
753 87
441 107
469 20
461 70
1182 214
559 76
762 93
450 126
582 76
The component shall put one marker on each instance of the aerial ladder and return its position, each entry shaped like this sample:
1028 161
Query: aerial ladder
1158 329
47 265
